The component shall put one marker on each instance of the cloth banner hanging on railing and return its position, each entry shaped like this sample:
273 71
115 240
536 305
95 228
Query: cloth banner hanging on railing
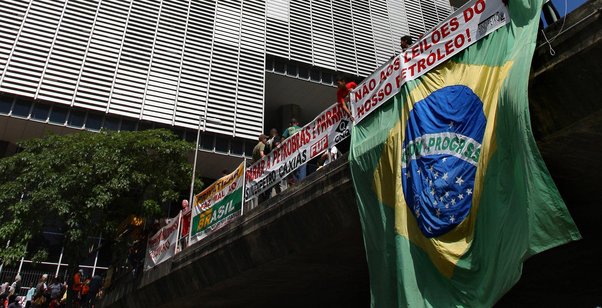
460 30
217 204
161 246
327 129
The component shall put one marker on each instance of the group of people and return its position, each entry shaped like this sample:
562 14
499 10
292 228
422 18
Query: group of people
80 290
9 293
266 143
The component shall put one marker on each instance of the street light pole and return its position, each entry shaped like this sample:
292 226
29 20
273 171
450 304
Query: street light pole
196 152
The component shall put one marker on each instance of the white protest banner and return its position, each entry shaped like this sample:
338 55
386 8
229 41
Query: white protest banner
326 130
461 29
161 246
217 204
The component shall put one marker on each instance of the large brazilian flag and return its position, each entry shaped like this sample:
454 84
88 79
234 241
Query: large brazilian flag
452 191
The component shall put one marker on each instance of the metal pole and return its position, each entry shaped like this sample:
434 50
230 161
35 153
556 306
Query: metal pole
179 231
196 151
96 257
20 265
58 266
2 264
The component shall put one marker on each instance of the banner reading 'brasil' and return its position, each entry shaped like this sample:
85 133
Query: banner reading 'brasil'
452 191
217 204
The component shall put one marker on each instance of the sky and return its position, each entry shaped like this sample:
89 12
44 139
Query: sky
571 5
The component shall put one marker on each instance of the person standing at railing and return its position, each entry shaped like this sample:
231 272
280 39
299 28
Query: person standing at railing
186 215
345 85
405 42
273 143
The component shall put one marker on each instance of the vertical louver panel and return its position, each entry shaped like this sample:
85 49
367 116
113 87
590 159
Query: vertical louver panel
104 51
300 23
30 55
364 39
277 27
399 23
162 85
134 63
344 37
430 14
223 73
322 34
192 92
68 54
381 28
12 15
415 18
443 8
251 71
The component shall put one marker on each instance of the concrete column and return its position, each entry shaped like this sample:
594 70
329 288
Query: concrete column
286 113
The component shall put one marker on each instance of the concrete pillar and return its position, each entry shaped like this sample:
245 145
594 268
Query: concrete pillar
286 113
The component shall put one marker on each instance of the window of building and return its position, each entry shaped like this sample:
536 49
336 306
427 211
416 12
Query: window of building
40 112
76 118
207 142
221 144
190 136
291 69
303 72
280 66
327 77
127 125
58 115
236 147
5 104
249 145
21 108
145 125
111 124
314 74
94 122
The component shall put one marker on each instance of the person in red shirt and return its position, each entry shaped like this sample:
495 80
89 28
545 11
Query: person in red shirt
345 86
186 212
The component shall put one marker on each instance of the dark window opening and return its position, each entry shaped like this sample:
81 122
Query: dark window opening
280 66
76 118
6 103
40 112
128 125
94 121
314 74
207 142
236 147
111 124
221 144
58 115
303 72
21 108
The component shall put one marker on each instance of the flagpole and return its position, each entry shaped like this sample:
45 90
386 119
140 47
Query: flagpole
179 232
196 152
244 185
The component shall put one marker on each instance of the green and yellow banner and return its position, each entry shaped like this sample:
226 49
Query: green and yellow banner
218 204
451 188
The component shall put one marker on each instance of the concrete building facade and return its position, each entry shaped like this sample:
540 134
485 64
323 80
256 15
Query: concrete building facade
243 65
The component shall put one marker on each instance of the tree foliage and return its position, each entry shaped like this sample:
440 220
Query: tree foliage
86 184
